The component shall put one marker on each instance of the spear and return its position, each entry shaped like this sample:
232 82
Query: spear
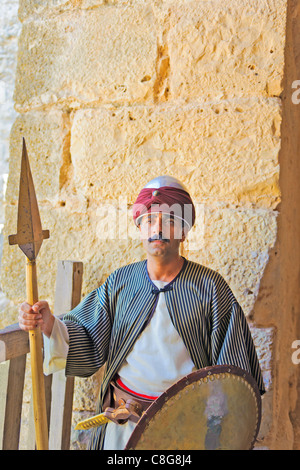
30 237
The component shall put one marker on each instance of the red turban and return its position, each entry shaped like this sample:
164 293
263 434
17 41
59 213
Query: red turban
167 199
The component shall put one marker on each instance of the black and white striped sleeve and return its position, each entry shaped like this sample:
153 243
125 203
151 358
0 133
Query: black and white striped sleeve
89 329
231 338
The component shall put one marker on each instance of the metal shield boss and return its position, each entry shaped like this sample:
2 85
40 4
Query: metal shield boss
215 408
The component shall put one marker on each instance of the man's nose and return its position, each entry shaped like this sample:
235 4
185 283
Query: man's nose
158 226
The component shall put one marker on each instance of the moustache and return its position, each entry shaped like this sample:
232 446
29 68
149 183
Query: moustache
158 237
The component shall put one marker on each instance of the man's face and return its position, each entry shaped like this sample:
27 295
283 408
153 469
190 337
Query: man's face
161 234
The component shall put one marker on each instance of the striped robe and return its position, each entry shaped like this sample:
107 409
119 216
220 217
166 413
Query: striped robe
105 325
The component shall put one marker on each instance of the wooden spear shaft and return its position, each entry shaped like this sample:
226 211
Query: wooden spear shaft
36 359
29 237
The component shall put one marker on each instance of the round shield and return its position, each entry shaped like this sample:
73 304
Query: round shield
215 408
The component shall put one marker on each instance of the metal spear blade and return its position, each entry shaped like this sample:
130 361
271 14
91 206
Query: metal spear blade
29 235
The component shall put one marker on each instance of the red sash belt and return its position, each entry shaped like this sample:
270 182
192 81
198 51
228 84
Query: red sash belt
122 385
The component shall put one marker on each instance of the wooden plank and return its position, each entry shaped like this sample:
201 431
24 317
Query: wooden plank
68 286
67 417
77 283
14 342
67 296
48 394
30 440
14 401
61 411
4 370
2 352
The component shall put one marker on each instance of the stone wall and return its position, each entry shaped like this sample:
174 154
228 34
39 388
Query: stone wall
9 31
110 94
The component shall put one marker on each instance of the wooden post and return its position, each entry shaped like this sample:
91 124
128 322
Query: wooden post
67 296
13 409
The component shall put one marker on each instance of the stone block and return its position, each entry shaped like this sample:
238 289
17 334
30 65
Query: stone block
80 57
264 339
236 243
90 386
226 151
47 8
219 49
45 134
40 9
264 343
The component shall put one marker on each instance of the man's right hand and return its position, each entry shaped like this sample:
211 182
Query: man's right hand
37 315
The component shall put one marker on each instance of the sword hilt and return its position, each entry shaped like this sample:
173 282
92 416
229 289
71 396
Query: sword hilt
98 420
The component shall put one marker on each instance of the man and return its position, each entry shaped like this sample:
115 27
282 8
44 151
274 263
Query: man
151 322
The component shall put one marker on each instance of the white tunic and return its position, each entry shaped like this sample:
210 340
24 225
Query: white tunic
158 360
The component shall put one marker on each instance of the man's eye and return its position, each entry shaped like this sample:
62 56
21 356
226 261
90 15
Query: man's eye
169 221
